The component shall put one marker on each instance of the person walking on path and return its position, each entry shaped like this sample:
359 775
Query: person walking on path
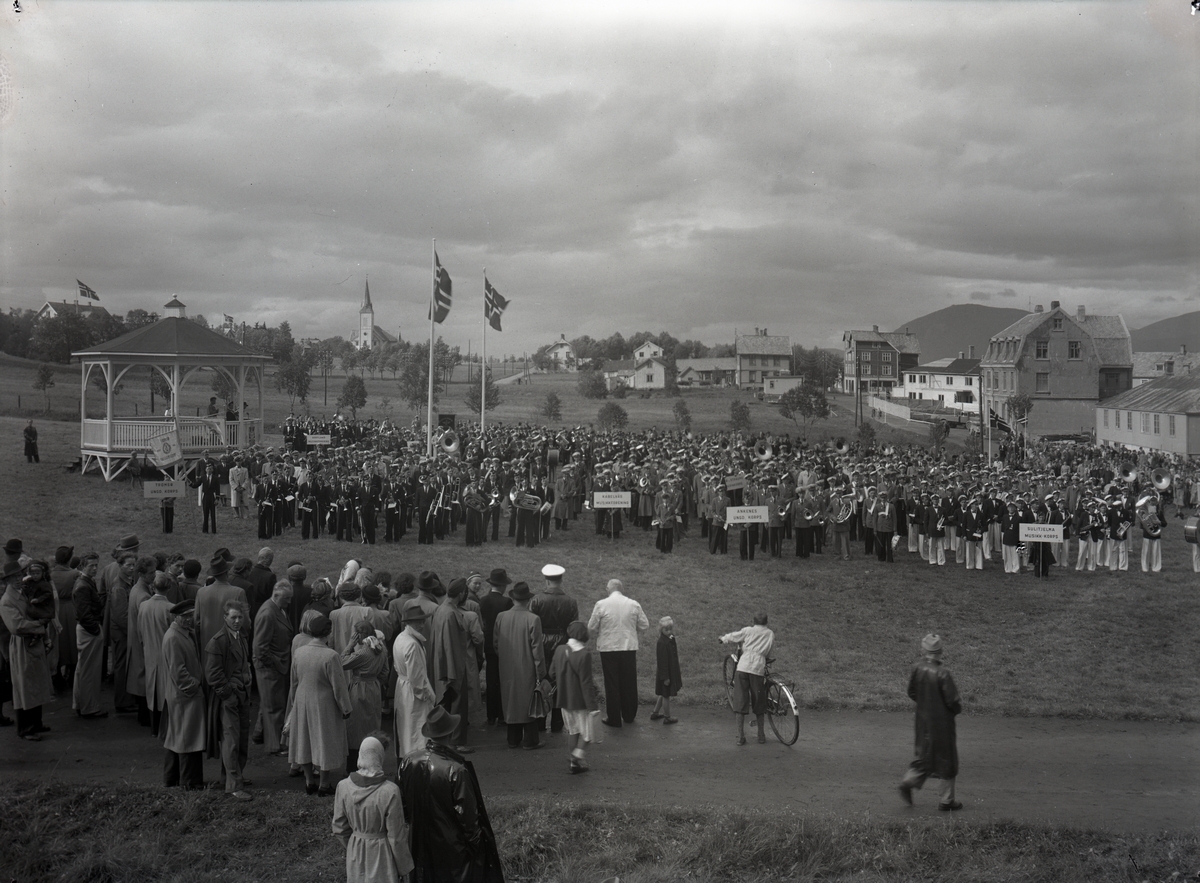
227 671
320 703
368 818
575 693
556 610
750 692
932 687
667 676
616 622
518 637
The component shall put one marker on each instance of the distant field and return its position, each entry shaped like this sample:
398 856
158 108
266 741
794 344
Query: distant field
1085 645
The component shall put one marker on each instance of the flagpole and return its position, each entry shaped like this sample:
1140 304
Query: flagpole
432 308
483 360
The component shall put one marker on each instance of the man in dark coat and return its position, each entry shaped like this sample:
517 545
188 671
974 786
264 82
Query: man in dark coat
932 687
227 672
557 610
451 836
492 605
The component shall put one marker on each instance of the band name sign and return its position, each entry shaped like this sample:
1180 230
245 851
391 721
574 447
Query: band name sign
164 490
1042 533
314 438
612 500
746 515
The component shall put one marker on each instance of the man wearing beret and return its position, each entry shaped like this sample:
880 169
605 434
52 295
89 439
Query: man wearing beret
932 687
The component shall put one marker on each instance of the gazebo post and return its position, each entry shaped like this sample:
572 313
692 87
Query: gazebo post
241 411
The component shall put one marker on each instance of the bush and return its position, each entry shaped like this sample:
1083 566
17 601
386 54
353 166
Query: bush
620 391
612 416
592 385
552 407
739 415
866 435
683 416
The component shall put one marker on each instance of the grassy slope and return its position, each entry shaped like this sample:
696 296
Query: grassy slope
139 835
1092 645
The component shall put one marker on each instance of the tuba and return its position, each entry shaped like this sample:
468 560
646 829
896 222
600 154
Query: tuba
1128 473
888 450
450 442
763 452
846 510
1161 479
841 446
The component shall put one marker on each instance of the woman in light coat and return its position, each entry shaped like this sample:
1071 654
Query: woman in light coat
365 662
27 643
368 817
320 704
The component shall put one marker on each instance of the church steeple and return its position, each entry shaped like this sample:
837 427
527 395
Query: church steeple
366 304
366 320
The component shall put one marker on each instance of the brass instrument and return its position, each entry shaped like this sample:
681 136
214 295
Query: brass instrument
888 450
763 452
529 502
1161 479
841 446
1128 473
846 510
474 501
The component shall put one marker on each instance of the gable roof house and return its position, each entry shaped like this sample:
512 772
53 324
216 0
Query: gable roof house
759 356
876 360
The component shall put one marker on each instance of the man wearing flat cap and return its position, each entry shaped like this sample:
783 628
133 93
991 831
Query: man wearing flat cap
556 610
414 694
932 687
184 739
450 834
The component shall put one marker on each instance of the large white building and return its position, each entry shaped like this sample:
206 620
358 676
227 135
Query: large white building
949 383
1161 415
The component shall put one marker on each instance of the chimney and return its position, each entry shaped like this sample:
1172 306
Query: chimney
971 351
1183 349
1081 311
1054 305
875 328
1037 308
961 354
906 331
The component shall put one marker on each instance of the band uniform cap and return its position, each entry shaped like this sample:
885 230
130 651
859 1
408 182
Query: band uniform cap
553 571
128 543
932 643
413 611
187 605
499 577
439 724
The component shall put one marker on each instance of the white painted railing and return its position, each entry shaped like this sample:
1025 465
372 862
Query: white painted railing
195 433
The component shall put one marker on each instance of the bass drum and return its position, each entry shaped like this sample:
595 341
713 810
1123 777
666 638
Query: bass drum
1191 529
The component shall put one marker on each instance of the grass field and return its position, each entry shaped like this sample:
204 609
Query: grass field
126 834
1088 645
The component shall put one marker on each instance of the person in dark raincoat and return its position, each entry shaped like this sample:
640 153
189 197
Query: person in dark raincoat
932 687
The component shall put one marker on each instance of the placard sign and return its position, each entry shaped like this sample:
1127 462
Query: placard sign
162 490
735 482
166 448
316 438
612 500
1042 533
746 515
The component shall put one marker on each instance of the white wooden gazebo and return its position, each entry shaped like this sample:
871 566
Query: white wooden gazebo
176 348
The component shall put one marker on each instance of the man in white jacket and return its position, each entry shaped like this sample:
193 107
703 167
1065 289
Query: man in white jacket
616 622
414 693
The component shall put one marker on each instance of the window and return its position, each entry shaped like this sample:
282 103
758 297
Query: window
1042 349
923 378
849 355
912 378
1145 422
1157 428
941 398
1106 418
1058 323
1074 351
969 381
650 377
887 370
1129 420
1043 382
753 361
1170 424
949 381
777 361
887 357
913 396
753 376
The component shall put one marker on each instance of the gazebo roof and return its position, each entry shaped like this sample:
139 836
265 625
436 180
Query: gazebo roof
173 337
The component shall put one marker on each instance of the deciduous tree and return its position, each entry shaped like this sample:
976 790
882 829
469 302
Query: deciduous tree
353 395
592 385
44 381
739 415
612 416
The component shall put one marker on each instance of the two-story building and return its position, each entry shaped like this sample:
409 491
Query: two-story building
948 383
875 360
560 355
1066 364
759 356
1153 365
713 371
646 370
1161 415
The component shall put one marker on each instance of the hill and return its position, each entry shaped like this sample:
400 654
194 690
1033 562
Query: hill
943 334
1167 335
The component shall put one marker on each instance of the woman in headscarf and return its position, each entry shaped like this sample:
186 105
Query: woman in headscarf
321 599
365 662
368 817
319 703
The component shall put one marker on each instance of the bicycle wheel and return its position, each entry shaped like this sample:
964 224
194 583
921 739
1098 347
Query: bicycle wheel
729 672
781 711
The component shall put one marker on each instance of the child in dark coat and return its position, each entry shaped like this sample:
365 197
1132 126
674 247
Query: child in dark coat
667 679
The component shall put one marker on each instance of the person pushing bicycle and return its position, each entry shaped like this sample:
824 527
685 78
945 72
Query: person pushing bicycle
757 641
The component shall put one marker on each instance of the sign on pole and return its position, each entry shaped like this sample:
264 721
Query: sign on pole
166 448
1042 533
315 438
162 490
746 515
735 482
612 499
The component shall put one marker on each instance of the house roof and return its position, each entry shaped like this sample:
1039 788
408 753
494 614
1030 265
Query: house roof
762 345
949 366
1109 334
1149 364
722 363
1179 394
901 342
61 306
612 366
172 337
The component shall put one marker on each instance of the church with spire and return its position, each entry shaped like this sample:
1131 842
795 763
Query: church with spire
369 335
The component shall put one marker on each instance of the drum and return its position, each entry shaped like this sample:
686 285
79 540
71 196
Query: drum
1191 529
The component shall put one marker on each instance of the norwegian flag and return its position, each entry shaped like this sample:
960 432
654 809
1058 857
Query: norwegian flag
86 292
493 305
441 291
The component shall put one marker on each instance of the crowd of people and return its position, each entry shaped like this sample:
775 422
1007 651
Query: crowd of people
375 483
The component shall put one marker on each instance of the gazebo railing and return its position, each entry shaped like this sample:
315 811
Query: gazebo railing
195 434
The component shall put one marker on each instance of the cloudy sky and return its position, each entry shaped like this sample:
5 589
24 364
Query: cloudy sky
804 166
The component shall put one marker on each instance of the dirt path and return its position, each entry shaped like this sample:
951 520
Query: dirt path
1116 776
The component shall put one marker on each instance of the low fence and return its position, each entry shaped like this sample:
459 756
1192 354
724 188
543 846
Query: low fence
195 434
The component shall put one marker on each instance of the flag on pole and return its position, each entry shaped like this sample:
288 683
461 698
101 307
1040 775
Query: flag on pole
441 291
86 292
999 422
228 319
493 305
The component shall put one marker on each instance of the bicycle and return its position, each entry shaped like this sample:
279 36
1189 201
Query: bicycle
782 711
